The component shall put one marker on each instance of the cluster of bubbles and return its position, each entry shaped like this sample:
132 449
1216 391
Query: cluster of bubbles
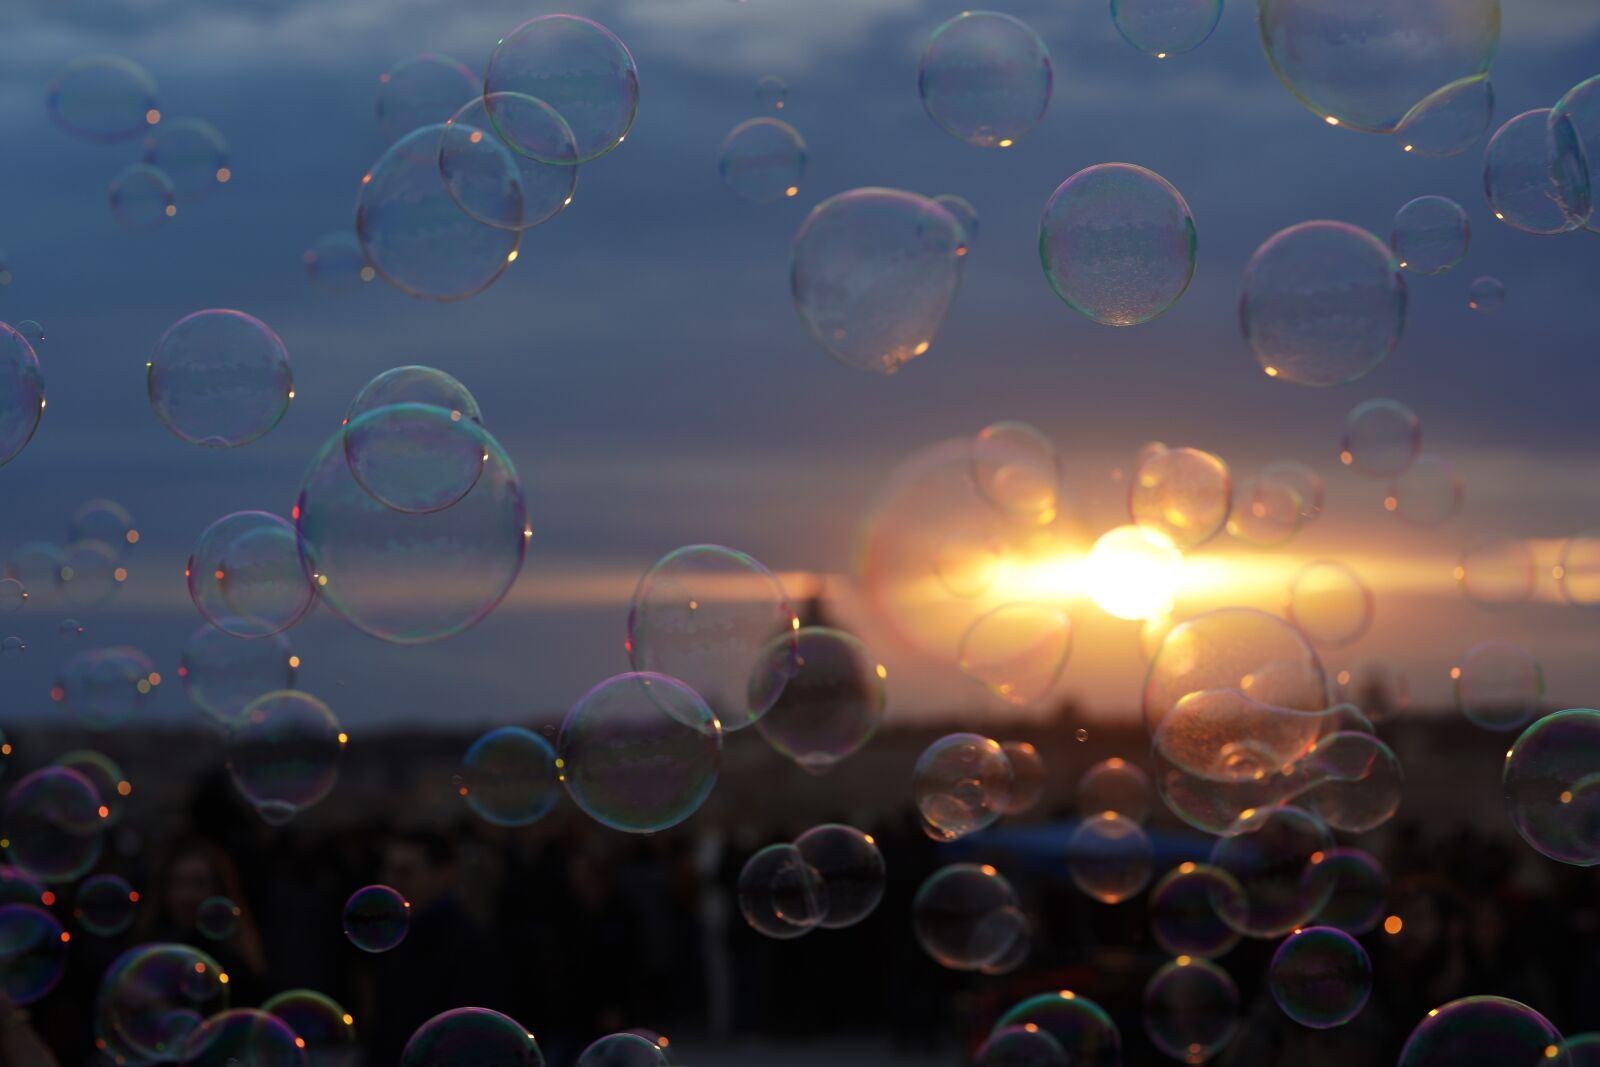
830 877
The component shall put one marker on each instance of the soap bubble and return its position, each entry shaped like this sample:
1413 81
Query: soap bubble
1275 854
851 869
245 575
1482 1032
1431 235
12 595
326 1028
1330 603
53 825
963 916
1183 493
1427 493
1324 304
1486 295
1079 1025
1017 469
472 156
1581 108
1450 120
1578 569
192 154
102 688
1165 28
243 1036
222 673
415 458
1266 511
1185 910
285 750
105 905
219 378
763 160
1582 1050
1381 437
1320 977
1496 570
622 1050
471 1035
1499 686
985 78
32 332
153 997
1366 64
1020 1046
1109 857
639 752
103 98
1360 892
833 696
1191 1009
33 953
780 894
336 263
1115 785
1352 781
414 233
508 777
962 783
217 918
1535 174
580 69
141 197
1027 776
89 574
1377 686
873 273
105 521
1017 651
706 615
1117 243
422 91
1551 788
376 918
22 387
964 213
772 91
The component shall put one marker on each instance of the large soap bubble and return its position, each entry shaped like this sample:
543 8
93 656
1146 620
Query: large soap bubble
1552 786
579 68
1536 176
985 78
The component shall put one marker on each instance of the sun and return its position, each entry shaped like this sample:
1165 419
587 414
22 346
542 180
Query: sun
1133 572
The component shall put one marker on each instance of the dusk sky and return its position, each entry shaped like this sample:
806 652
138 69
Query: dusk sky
644 367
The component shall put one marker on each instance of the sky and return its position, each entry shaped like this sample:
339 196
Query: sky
643 366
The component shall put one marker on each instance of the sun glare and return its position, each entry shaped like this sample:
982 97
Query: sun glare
1133 572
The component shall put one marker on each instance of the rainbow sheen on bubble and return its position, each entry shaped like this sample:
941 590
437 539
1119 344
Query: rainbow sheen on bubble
961 783
471 1035
105 905
33 953
1536 176
422 90
1483 1031
1020 1046
1080 1026
219 378
965 916
472 150
218 918
1185 910
1276 856
1027 776
1552 791
1321 977
851 868
284 752
376 918
985 78
763 160
53 825
1163 28
1183 493
222 672
780 894
103 98
1191 1009
1109 857
1431 235
245 575
326 1028
1449 120
153 997
834 696
508 777
21 393
581 70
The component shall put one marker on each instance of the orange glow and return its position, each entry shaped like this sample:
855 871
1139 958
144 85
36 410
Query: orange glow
47 898
1393 925
133 537
224 175
152 116
921 348
65 937
793 190
1007 143
124 787
986 869
1455 673
1331 121
172 209
1186 868
134 896
1272 372
294 662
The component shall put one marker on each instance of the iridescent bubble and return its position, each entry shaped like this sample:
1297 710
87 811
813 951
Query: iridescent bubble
1353 781
1079 1025
53 825
417 237
12 595
1330 603
223 673
32 332
245 575
1450 120
410 578
1381 437
219 378
104 687
1577 571
834 696
1165 28
1185 910
217 918
153 997
1483 1032
508 777
21 393
19 888
780 894
772 91
105 521
1011 924
192 154
472 152
1191 1009
1499 686
622 1050
1184 493
242 1037
962 916
415 458
1266 511
471 1035
70 628
1027 776
1535 174
639 752
1320 977
1020 1046
1431 235
105 905
873 273
1496 570
1115 785
422 91
33 953
376 918
142 197
1117 243
89 574
336 263
1486 295
1581 108
413 384
103 98
964 213
961 783
326 1028
1017 469
110 784
1377 686
1109 857
1552 789
1360 892
1427 493
1017 651
985 78
580 69
1275 855
1250 651
707 616
1582 1050
1366 64
285 750
763 160
851 869
1324 304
